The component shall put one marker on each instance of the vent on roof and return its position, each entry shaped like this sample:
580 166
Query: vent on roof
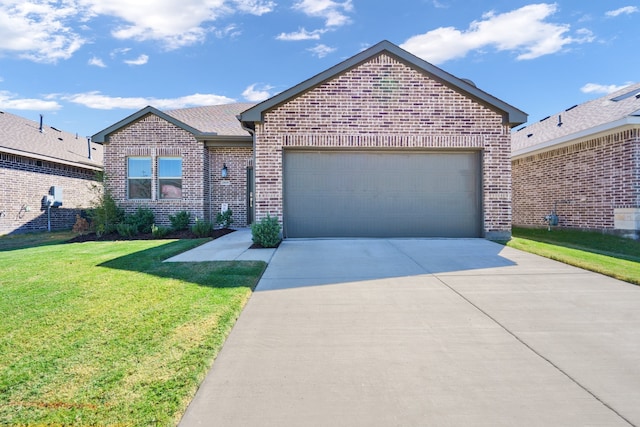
56 129
542 120
559 120
571 108
529 135
634 93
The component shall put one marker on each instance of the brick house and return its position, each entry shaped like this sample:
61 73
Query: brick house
382 144
581 165
35 159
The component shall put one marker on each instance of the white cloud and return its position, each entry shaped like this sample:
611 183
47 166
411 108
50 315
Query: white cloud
603 89
321 50
230 31
97 62
48 31
627 10
40 31
522 30
334 13
255 7
174 23
301 34
10 101
253 94
140 60
98 101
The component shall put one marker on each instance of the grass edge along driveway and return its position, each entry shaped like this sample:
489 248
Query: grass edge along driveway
610 255
104 333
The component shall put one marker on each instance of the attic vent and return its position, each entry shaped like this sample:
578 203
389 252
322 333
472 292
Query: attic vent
60 139
633 93
56 129
529 135
542 120
469 82
571 108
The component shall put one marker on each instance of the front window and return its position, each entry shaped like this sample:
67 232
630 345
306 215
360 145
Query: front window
139 177
170 177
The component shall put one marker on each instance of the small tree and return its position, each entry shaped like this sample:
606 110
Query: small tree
105 214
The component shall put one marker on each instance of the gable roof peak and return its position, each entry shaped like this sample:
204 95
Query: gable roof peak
513 116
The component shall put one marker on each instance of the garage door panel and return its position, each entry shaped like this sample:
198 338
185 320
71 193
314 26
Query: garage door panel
381 194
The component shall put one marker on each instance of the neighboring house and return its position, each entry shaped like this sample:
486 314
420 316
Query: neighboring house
582 166
36 161
382 144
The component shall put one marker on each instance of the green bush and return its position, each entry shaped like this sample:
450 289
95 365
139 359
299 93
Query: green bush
224 219
159 232
126 230
105 214
180 221
266 233
142 220
202 228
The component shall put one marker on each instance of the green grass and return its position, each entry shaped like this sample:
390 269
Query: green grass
606 254
104 333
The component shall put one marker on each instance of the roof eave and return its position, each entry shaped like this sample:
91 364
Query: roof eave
513 116
78 164
629 121
102 137
227 141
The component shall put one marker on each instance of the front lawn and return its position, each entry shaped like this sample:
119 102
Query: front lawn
603 253
104 333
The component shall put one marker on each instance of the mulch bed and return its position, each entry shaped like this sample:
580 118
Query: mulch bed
183 234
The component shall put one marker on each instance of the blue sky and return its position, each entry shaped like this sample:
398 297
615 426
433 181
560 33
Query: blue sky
86 64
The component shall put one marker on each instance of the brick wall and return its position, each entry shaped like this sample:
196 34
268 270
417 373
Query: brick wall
384 103
233 189
586 181
26 181
154 137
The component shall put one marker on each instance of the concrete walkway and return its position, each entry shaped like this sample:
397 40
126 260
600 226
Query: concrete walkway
230 247
414 332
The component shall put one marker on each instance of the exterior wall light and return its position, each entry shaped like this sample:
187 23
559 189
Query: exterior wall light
224 172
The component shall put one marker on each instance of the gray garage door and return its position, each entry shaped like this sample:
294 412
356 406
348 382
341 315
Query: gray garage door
382 194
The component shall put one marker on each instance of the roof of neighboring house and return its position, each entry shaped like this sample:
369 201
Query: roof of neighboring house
512 115
617 109
209 122
23 137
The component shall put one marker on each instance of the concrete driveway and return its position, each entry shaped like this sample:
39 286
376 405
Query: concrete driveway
412 332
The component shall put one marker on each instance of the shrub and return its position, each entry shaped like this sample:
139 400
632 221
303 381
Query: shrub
202 228
81 225
224 219
180 221
142 220
126 230
266 233
159 232
105 214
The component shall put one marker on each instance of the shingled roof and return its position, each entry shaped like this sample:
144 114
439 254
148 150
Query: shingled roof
209 122
23 137
618 109
217 119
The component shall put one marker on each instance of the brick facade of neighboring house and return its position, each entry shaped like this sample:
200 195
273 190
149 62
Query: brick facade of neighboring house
383 100
35 159
582 165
